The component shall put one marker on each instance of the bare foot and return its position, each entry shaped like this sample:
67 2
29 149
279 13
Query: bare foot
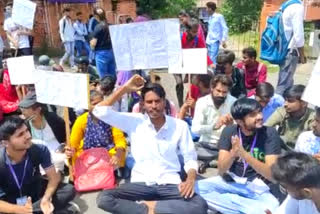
151 206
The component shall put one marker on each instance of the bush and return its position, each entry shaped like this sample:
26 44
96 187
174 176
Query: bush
241 15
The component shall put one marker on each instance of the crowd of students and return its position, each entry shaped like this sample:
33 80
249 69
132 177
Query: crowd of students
265 144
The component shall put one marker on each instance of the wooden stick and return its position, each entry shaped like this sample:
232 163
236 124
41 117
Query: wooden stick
67 126
189 86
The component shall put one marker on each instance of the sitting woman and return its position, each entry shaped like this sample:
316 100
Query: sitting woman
46 128
89 132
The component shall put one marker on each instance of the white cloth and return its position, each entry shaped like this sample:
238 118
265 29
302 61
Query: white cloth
46 134
10 27
155 153
293 206
308 143
292 18
66 30
58 159
206 116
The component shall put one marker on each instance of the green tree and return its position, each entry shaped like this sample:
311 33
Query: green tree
165 8
241 15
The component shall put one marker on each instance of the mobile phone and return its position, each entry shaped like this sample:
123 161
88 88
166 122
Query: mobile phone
228 178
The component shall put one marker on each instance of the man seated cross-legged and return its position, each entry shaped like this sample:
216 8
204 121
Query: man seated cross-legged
246 152
157 144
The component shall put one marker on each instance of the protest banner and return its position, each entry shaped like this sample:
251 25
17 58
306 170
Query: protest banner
63 89
23 12
313 87
21 70
194 61
147 45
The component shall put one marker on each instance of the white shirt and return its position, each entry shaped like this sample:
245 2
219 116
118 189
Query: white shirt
292 18
46 134
308 143
293 206
217 29
66 30
155 153
12 28
206 116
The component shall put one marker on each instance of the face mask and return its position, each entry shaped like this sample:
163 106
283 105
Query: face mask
219 100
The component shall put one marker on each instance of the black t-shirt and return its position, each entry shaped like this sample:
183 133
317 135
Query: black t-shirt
102 34
31 185
268 143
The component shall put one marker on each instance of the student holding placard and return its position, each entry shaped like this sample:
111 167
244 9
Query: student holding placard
17 35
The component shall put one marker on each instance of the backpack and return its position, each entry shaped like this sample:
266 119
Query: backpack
274 44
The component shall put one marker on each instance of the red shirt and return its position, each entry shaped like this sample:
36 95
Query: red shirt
201 43
9 100
254 74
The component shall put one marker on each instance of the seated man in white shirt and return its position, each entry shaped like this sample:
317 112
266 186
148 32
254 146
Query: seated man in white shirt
212 112
156 142
309 141
299 174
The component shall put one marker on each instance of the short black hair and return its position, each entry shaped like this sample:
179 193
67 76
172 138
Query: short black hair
66 9
129 20
297 169
250 51
294 92
193 23
244 106
212 6
264 90
221 78
157 77
9 125
78 13
154 87
95 93
183 13
107 83
205 79
225 56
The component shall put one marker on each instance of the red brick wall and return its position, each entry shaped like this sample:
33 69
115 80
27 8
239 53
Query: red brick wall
48 14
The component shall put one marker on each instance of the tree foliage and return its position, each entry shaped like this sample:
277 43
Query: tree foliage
165 8
241 15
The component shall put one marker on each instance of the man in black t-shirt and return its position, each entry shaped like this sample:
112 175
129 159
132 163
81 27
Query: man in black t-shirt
246 152
22 189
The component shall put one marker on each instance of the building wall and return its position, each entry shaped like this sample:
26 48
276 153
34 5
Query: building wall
48 14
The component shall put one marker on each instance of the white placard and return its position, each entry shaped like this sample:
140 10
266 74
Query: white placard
21 70
23 12
62 89
311 93
147 45
194 61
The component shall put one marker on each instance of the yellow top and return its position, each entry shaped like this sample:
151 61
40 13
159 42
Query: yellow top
77 139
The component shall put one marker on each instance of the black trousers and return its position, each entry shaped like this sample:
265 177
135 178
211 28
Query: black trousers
125 199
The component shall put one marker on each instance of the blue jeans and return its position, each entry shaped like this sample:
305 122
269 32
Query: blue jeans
80 46
105 62
213 51
69 48
287 70
233 198
123 200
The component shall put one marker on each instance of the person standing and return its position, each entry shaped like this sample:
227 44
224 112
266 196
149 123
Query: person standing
217 31
17 35
67 33
101 43
292 17
80 34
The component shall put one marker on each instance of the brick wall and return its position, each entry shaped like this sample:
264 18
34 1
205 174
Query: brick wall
48 14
